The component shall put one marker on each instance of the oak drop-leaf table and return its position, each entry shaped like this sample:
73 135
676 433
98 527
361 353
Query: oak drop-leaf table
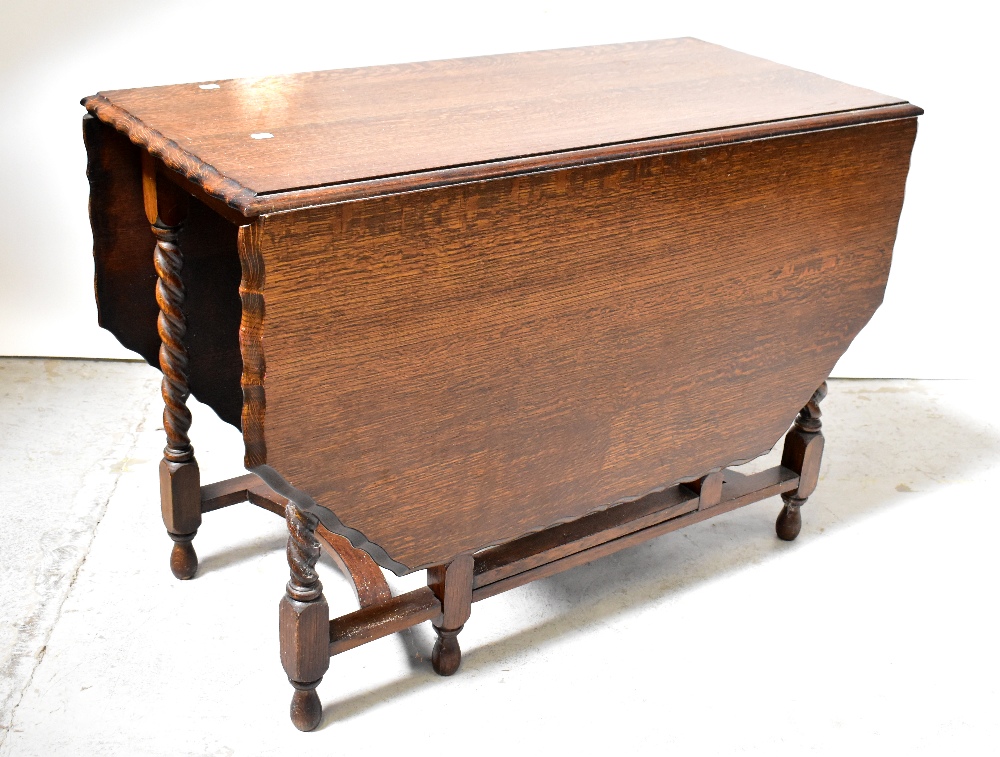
495 317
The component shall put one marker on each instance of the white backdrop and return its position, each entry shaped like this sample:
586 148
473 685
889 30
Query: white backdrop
939 303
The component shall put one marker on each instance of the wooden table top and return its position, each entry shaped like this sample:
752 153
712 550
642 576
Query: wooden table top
244 139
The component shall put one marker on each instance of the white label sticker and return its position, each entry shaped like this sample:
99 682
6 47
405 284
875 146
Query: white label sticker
261 135
208 86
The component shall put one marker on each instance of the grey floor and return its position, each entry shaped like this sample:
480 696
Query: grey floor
877 628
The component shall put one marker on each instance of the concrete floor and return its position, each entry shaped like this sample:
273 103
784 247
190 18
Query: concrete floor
876 628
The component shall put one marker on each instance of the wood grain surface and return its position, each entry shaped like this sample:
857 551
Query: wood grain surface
349 125
125 277
454 368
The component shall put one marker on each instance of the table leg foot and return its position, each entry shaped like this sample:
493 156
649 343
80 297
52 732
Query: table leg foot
306 711
452 585
447 654
803 454
183 558
180 505
789 522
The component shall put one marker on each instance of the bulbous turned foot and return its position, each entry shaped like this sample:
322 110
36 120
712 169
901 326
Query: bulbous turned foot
183 558
447 654
789 521
306 711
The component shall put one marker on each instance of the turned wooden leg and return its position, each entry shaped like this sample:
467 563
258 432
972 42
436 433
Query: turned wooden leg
304 620
452 584
803 454
180 480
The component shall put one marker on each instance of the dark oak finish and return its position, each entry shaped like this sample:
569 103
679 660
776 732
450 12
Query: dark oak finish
493 317
709 489
304 618
557 549
270 203
561 341
370 623
343 127
452 585
357 566
578 535
180 482
232 491
251 346
364 573
803 453
748 489
304 621
125 276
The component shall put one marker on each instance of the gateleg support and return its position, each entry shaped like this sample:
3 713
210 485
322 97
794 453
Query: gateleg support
803 454
709 489
452 585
